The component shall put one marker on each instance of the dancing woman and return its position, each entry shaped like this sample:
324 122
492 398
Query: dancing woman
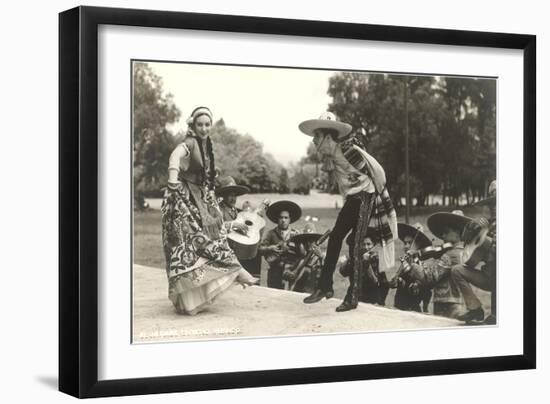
200 265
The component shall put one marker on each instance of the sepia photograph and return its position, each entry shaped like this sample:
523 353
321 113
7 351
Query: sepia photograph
273 202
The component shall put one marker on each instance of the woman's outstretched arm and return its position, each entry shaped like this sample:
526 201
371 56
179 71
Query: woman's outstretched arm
181 151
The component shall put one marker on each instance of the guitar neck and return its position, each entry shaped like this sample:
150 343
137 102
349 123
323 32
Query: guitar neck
308 256
323 238
263 207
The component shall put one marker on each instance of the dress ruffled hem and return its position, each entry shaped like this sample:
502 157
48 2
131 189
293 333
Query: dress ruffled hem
194 300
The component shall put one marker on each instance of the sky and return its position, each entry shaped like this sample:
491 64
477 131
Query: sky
266 103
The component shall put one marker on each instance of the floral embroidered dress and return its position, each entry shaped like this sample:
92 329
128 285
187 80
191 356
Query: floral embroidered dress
200 265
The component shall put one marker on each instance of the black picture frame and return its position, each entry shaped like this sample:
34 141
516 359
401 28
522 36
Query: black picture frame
78 200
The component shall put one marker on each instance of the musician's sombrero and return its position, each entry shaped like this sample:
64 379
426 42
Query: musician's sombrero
438 222
326 121
308 234
276 208
420 239
228 185
491 195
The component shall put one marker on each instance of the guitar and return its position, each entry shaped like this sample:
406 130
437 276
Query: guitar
478 250
246 245
284 247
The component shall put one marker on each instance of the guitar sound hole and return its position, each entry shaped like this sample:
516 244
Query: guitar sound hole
248 223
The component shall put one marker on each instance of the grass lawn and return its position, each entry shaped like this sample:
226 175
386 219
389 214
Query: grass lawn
148 243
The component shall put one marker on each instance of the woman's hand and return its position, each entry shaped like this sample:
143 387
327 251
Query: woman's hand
240 228
174 185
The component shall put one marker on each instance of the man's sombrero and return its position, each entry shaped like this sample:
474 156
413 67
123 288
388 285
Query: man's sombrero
326 121
276 208
308 234
438 222
491 195
228 185
420 239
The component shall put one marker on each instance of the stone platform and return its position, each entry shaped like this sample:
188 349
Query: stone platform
258 311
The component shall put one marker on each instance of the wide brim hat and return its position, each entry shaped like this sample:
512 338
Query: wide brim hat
487 201
438 222
228 185
276 208
326 121
492 195
421 240
308 234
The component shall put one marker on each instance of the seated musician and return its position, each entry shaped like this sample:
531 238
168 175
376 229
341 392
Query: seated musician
306 278
228 190
410 294
373 283
481 272
447 299
276 247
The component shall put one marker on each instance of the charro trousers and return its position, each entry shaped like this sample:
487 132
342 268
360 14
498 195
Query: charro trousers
345 222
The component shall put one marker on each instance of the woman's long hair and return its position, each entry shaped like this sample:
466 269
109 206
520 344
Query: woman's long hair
209 173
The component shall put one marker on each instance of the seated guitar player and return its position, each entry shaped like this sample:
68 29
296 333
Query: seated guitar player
277 248
479 269
228 190
480 265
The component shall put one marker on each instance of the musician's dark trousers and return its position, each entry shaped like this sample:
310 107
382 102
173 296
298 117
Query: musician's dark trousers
345 222
371 291
275 276
405 300
252 265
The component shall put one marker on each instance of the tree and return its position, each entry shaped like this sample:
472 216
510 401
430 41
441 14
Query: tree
243 158
312 157
284 184
451 129
153 110
301 183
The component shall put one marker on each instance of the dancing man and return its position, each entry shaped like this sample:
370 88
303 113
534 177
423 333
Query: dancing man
362 182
